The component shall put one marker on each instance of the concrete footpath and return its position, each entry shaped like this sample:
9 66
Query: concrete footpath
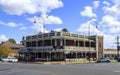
65 62
70 62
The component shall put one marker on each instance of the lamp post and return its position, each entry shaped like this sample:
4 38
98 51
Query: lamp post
35 21
118 47
43 22
89 37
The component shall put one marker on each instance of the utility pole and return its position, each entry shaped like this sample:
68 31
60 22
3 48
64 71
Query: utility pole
118 47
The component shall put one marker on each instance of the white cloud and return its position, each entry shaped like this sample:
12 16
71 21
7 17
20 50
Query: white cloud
46 19
113 9
10 24
3 38
53 20
112 30
23 7
58 29
107 33
40 22
96 4
109 26
19 7
116 1
23 28
109 20
84 28
109 41
88 12
37 28
106 3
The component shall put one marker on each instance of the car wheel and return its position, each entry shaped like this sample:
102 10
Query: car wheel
107 61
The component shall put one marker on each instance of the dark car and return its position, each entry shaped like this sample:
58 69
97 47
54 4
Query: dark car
107 60
118 59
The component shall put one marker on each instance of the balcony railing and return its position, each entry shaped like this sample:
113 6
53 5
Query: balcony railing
79 48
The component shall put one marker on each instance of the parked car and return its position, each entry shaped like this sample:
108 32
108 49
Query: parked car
118 59
10 59
107 60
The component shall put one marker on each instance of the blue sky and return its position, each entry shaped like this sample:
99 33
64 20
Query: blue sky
17 17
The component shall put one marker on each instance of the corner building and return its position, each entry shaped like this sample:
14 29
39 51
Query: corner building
57 46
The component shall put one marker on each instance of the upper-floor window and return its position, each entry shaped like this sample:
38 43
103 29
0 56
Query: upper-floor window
99 44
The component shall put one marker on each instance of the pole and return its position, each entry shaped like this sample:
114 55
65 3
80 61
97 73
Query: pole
42 33
89 38
97 47
118 47
43 37
89 41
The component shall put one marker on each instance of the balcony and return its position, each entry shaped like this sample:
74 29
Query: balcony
73 48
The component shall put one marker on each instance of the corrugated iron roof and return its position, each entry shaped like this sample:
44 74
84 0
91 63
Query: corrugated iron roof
12 45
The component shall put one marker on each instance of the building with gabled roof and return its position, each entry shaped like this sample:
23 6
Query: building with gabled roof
14 47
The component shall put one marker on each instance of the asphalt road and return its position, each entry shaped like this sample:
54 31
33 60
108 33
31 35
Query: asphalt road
74 69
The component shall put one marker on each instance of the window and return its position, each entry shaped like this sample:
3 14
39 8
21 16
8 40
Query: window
99 44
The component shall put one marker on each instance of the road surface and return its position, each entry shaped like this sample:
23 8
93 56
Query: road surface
58 69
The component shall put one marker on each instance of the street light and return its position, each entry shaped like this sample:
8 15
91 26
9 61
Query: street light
118 47
35 21
89 37
43 22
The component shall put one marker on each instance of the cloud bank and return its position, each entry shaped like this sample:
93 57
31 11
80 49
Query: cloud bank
109 24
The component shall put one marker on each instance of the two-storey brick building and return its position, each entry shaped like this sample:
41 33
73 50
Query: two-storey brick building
61 45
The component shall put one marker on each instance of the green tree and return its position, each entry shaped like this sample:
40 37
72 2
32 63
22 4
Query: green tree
12 40
64 30
5 51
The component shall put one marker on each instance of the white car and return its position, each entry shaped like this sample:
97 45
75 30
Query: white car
107 60
10 59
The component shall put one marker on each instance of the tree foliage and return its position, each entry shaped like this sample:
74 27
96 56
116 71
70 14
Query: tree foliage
64 30
12 40
5 51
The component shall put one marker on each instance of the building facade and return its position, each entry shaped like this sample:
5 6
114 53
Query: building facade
14 47
111 53
55 46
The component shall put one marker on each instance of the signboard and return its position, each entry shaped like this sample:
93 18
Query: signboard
58 47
